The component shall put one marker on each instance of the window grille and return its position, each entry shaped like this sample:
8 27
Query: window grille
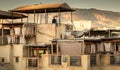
32 63
92 60
75 60
56 60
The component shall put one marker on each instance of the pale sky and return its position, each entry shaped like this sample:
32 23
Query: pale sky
110 5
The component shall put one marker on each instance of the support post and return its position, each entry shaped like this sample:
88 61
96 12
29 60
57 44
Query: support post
2 34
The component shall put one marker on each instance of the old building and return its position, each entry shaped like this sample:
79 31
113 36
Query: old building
27 45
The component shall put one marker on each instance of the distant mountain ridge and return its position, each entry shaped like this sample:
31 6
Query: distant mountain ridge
99 18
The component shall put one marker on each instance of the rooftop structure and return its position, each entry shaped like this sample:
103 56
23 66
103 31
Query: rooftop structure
43 8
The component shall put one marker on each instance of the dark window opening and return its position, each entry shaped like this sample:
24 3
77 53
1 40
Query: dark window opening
3 59
17 59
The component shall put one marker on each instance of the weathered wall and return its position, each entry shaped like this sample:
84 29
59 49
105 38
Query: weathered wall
18 53
18 50
106 67
5 53
46 32
45 64
103 63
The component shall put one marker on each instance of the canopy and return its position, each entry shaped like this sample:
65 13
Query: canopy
10 15
43 8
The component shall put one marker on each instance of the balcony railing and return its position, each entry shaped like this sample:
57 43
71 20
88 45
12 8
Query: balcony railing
93 60
75 60
32 62
72 60
114 60
56 60
8 39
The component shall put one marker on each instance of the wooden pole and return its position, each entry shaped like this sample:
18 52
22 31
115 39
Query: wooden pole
71 17
51 48
27 17
59 17
57 48
37 18
40 18
22 19
2 34
34 16
46 17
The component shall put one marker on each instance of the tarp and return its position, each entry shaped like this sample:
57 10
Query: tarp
71 47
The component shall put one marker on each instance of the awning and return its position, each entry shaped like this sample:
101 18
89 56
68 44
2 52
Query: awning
37 45
43 8
10 15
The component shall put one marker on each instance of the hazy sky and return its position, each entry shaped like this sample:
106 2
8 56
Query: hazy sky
111 5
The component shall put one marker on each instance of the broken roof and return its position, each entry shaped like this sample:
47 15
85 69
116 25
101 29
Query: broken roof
44 8
10 15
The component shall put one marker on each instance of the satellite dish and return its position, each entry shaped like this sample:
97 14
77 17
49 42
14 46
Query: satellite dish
80 33
77 33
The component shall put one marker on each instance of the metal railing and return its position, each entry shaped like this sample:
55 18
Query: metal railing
32 62
8 39
93 60
75 60
4 41
56 59
114 60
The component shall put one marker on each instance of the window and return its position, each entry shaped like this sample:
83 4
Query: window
92 60
112 59
75 60
3 59
56 60
32 63
17 59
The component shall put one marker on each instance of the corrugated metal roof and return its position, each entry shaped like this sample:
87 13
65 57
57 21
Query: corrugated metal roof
42 8
10 15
